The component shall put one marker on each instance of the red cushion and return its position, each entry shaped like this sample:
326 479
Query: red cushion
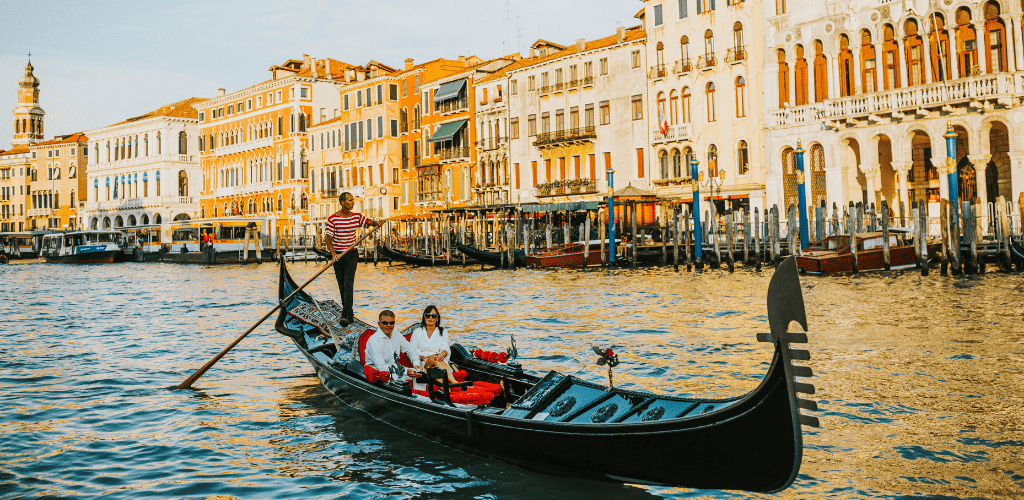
480 393
363 338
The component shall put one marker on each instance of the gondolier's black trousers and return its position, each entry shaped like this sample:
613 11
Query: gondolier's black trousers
345 272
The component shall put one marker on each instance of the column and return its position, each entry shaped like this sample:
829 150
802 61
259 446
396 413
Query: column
902 169
980 163
870 173
901 51
833 77
927 53
939 161
954 60
1012 32
1016 175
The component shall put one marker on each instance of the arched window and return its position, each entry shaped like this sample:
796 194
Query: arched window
890 59
280 203
663 162
967 44
995 39
820 73
673 107
789 184
659 56
684 55
741 97
818 189
709 49
738 44
783 79
915 53
688 157
302 122
845 67
17 126
182 143
182 183
742 158
938 41
713 160
867 60
709 97
687 117
800 77
677 164
662 115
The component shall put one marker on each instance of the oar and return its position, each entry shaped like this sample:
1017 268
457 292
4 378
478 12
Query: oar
199 373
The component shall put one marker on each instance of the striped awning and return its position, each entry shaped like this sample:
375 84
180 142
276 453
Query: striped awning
449 90
447 131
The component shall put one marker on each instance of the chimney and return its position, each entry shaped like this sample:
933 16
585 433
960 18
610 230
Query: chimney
220 92
327 69
620 34
305 61
408 64
314 71
581 44
533 52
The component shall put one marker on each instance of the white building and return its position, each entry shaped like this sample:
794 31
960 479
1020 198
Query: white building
145 170
705 100
869 87
575 111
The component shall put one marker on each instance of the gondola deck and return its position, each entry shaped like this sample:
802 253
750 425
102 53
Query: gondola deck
560 424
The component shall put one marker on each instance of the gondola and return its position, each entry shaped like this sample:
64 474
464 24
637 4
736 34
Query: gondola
562 425
417 259
494 259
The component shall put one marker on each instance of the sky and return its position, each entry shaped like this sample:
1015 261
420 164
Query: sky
101 62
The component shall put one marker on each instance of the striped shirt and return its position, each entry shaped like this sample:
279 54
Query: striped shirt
342 230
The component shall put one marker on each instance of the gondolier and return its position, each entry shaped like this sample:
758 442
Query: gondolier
341 235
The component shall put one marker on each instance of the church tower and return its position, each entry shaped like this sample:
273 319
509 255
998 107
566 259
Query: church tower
28 116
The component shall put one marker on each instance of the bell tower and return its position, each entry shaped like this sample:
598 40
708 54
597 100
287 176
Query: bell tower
28 116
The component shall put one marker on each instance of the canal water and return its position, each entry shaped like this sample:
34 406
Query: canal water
919 379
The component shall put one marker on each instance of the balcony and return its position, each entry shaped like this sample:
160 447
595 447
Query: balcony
39 212
137 203
567 187
328 193
492 143
572 84
674 181
657 71
453 153
588 81
452 105
735 55
265 142
682 66
971 91
676 133
706 61
579 134
546 89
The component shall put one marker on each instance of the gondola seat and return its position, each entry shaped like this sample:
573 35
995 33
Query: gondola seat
361 343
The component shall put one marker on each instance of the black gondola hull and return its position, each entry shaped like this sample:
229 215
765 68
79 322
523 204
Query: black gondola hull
418 259
494 259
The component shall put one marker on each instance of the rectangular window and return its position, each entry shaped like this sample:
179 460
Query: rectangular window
558 76
638 107
545 122
279 98
588 115
369 129
369 97
303 92
394 128
259 101
380 126
394 176
682 9
405 88
344 102
604 65
202 117
544 80
359 99
533 167
606 113
560 120
513 126
658 21
531 125
515 87
547 169
588 69
516 171
380 93
416 85
640 162
574 117
531 83
593 165
231 109
393 92
634 59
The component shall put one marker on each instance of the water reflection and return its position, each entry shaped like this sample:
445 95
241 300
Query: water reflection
919 379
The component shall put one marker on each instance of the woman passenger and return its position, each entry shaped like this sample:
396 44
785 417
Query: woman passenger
433 342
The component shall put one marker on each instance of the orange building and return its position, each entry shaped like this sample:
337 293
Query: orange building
254 143
58 182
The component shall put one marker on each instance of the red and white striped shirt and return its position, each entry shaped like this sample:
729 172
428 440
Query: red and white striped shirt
342 230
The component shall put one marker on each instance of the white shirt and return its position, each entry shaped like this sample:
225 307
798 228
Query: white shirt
428 346
381 350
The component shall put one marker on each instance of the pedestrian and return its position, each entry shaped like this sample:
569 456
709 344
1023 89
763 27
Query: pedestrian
341 236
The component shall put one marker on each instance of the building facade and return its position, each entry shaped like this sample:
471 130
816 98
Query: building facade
705 100
59 170
576 111
495 177
16 163
254 143
144 170
868 90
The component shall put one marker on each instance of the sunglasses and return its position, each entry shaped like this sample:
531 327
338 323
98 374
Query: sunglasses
386 323
431 315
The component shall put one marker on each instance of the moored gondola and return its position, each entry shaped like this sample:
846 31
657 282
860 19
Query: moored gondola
417 259
559 424
494 259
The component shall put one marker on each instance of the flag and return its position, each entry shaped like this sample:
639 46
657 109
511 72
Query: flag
662 121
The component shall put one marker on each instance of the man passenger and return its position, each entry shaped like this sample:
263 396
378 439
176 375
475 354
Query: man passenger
384 345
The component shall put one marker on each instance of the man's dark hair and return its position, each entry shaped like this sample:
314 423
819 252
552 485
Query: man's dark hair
386 312
343 195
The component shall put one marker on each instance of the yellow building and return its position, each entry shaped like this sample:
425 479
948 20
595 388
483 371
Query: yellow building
57 183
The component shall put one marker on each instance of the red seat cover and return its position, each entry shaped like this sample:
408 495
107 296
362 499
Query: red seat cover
363 338
404 359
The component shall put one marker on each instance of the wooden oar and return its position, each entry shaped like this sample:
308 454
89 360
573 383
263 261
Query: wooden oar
199 373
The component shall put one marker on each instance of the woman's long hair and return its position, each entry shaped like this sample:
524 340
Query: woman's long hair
423 318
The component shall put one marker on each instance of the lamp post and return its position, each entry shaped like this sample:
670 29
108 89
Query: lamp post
802 196
954 194
695 180
611 216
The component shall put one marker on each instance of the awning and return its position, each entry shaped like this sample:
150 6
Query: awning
559 207
449 90
447 131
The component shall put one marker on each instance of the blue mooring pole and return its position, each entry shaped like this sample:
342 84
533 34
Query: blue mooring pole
802 193
954 190
695 178
611 216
